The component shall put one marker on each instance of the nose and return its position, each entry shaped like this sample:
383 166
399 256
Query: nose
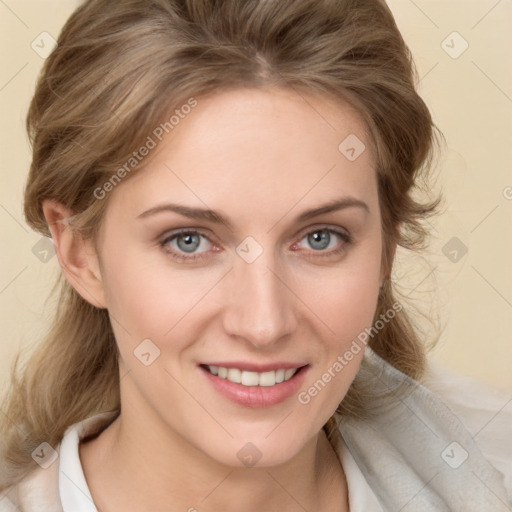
260 307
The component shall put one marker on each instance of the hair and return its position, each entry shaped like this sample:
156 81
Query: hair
119 69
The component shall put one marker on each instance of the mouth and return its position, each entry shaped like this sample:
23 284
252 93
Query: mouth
253 378
253 389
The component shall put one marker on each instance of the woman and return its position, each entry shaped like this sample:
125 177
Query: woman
226 184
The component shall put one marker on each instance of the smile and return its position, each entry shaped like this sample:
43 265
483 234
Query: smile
253 389
247 378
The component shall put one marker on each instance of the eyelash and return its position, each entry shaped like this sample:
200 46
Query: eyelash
347 239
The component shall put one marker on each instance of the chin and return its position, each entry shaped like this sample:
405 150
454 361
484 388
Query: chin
257 450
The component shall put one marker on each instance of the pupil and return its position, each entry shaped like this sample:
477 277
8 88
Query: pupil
320 237
189 241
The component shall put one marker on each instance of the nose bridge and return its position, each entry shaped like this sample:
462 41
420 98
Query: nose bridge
260 306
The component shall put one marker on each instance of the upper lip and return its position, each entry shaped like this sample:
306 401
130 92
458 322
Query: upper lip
254 367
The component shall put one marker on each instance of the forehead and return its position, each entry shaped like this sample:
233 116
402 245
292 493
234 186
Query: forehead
255 149
252 121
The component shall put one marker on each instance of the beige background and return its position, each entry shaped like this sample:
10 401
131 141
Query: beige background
470 96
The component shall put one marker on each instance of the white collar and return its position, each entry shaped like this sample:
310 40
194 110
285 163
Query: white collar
76 496
74 491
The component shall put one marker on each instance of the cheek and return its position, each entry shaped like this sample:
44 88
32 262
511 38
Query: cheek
153 300
347 309
345 301
135 298
349 314
345 298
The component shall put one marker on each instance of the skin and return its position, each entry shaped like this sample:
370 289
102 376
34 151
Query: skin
259 157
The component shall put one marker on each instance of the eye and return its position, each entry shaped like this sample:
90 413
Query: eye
189 245
326 238
184 245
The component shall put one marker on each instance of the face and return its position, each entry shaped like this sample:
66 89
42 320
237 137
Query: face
258 285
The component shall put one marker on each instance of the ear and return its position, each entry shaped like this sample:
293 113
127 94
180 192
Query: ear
77 257
387 262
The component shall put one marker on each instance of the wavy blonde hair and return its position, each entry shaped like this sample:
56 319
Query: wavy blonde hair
119 68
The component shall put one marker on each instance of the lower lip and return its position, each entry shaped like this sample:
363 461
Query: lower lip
257 396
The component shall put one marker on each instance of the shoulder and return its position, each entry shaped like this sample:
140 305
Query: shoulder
41 490
431 445
38 492
484 411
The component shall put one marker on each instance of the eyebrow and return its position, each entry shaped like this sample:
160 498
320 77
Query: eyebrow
217 218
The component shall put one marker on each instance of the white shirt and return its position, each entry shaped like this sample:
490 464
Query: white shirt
414 456
75 496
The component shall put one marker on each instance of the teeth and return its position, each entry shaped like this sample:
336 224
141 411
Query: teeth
250 379
253 378
234 375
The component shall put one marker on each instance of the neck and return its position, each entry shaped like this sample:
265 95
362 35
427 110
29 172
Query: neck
131 468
